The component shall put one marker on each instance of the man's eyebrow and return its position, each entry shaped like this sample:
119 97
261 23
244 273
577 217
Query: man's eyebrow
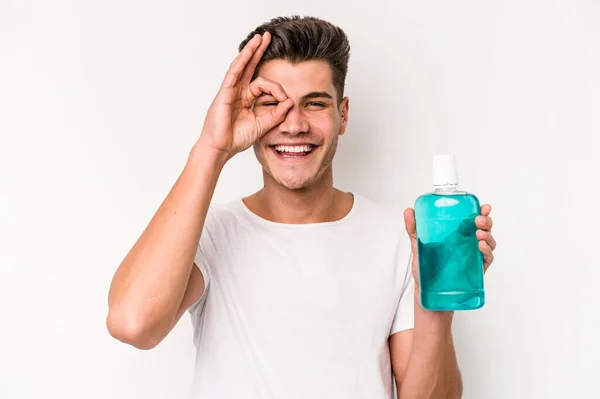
317 94
263 94
311 95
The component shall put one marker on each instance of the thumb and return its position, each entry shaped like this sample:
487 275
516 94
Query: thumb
409 221
275 116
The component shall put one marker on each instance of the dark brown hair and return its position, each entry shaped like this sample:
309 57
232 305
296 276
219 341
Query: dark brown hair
296 39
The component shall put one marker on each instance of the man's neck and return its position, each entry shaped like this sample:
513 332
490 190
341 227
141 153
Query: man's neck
318 203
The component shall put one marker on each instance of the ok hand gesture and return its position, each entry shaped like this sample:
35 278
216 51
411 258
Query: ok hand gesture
231 125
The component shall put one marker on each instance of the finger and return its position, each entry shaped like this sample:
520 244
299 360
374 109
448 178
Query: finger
484 222
274 117
488 255
236 69
251 66
486 209
410 223
262 85
487 237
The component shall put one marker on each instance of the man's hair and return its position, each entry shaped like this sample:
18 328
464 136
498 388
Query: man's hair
296 39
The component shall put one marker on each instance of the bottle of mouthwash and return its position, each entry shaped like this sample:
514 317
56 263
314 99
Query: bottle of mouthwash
450 262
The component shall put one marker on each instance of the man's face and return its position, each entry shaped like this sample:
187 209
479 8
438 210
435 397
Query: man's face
300 150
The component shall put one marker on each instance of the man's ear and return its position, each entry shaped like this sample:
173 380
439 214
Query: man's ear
344 109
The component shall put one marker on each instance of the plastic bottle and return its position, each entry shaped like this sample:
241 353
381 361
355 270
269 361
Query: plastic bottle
450 262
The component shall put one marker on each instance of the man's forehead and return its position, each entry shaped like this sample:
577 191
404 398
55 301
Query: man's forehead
303 78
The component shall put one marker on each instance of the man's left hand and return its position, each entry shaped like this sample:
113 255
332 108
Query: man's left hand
484 223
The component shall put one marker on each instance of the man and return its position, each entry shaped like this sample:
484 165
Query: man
299 290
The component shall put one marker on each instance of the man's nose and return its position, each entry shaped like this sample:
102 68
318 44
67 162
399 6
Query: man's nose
295 122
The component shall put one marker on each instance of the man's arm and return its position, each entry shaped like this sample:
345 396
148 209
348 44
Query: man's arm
424 360
155 283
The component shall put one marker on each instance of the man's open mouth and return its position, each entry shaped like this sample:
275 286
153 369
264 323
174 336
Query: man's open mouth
293 150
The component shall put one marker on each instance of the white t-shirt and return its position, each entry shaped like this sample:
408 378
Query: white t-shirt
300 311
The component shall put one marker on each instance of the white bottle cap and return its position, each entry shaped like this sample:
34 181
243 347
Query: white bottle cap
445 175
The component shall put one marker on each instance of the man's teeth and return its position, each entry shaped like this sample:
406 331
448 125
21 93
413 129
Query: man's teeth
297 148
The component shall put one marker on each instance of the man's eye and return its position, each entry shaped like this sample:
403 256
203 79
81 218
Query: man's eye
270 104
315 104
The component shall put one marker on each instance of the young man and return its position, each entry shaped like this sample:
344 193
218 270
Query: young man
299 290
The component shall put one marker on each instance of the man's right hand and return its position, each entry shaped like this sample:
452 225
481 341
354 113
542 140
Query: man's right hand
231 125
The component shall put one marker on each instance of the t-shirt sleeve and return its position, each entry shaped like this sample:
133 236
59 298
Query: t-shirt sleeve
404 318
200 261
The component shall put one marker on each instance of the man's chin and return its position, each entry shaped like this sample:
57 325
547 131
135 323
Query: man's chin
293 184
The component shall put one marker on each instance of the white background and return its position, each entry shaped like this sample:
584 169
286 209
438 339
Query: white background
100 103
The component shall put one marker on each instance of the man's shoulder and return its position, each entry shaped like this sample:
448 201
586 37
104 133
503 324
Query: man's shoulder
378 212
223 213
383 222
223 208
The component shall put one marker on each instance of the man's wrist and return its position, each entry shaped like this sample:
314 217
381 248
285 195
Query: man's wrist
429 320
203 167
202 153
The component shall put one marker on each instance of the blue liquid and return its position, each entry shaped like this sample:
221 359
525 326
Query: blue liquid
450 262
